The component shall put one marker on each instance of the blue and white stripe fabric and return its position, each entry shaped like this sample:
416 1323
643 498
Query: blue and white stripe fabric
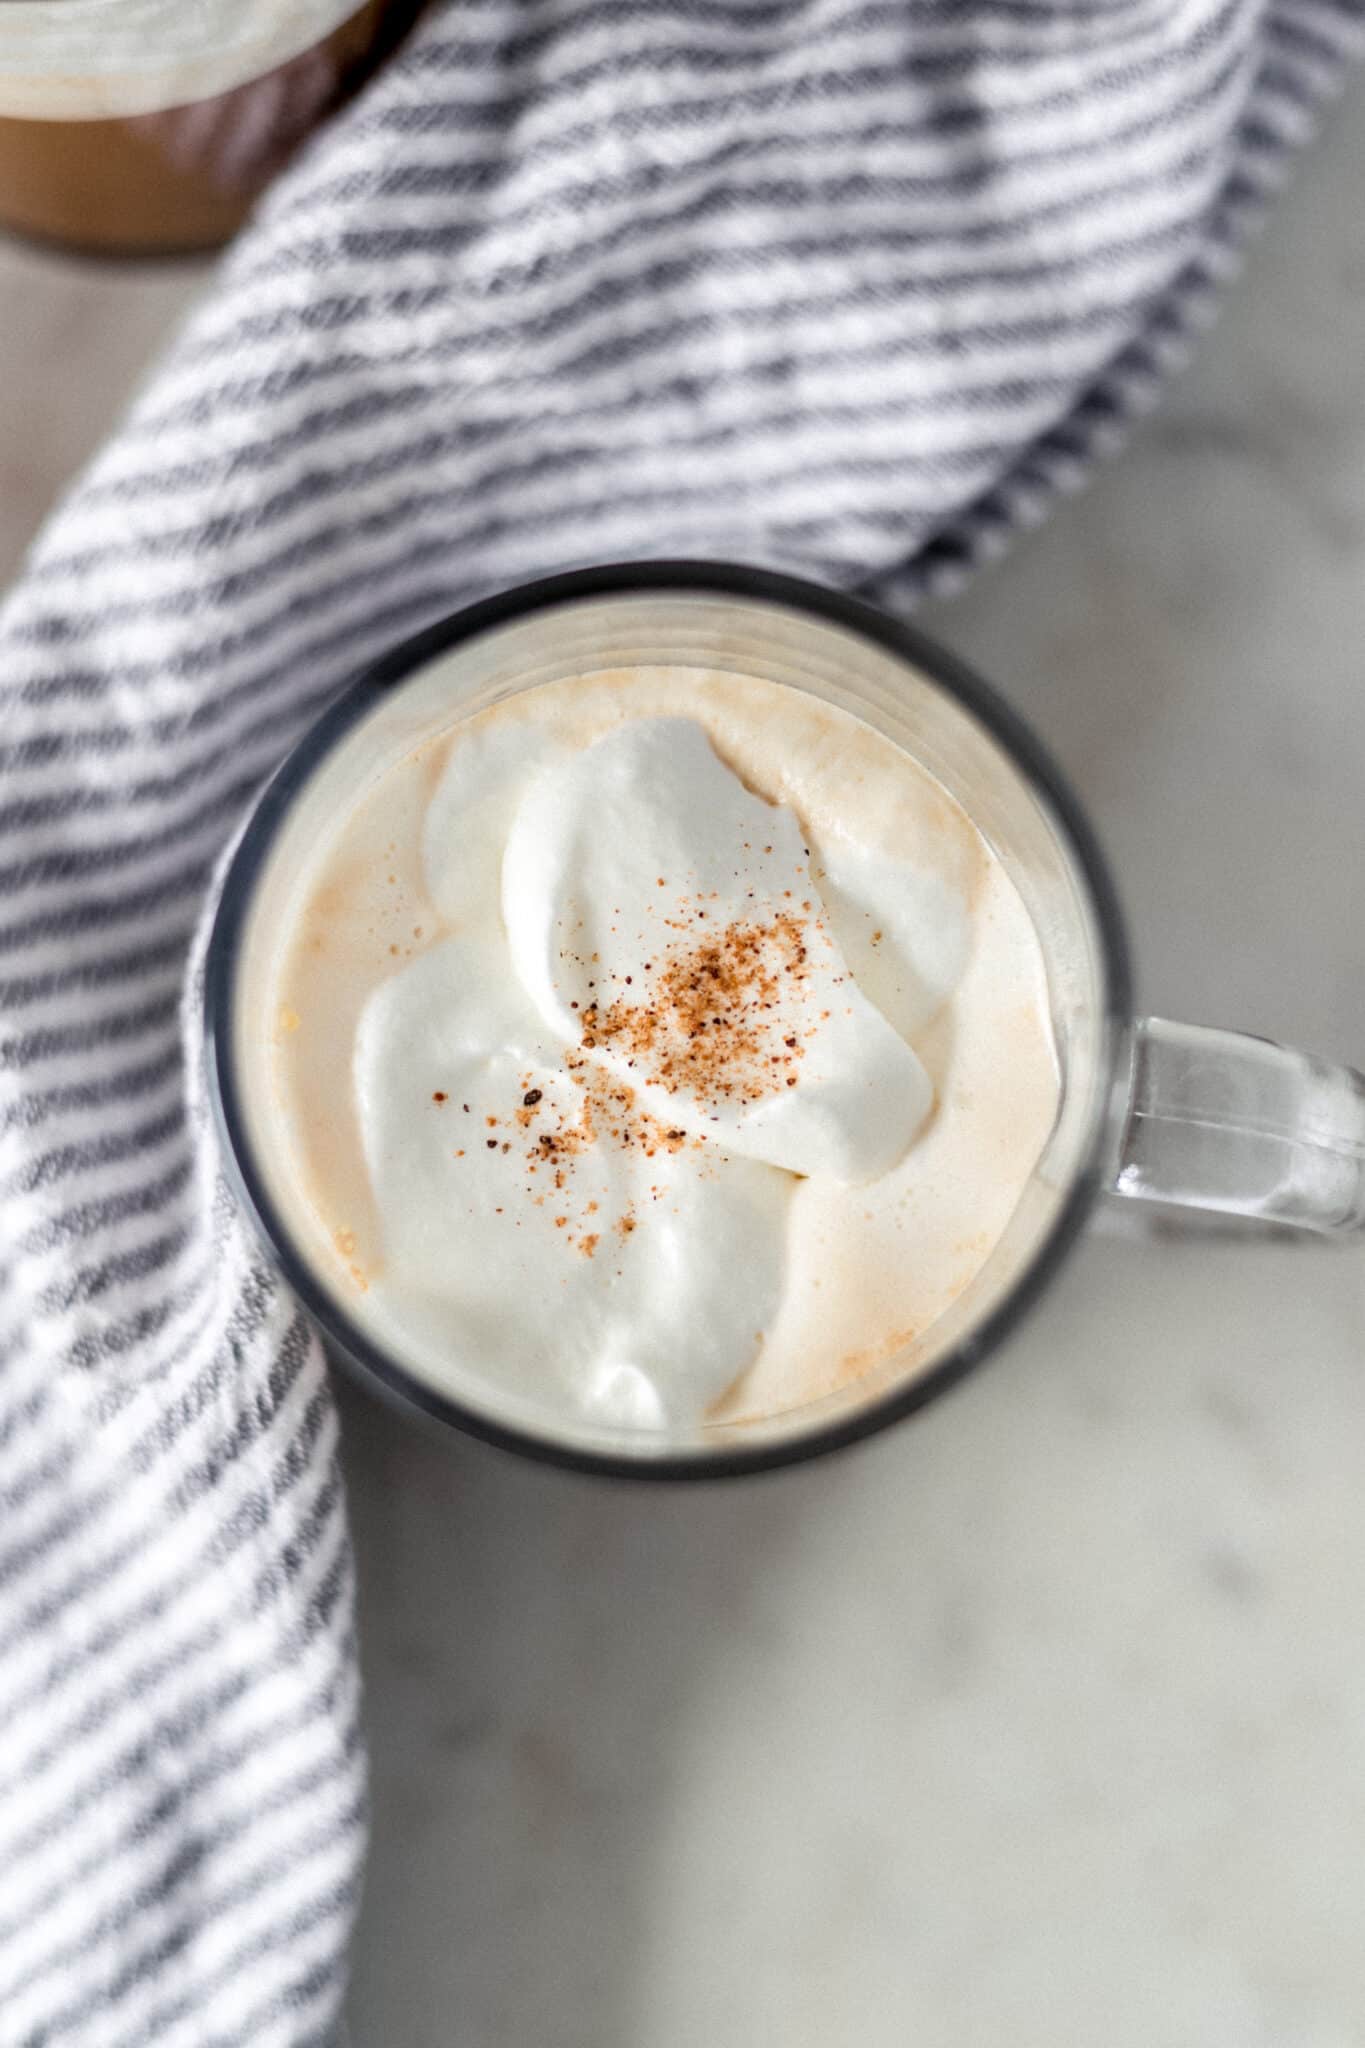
852 286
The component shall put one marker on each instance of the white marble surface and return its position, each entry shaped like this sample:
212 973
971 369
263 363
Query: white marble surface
74 340
1040 1722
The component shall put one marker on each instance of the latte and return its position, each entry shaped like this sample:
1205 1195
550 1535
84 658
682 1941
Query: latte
658 1047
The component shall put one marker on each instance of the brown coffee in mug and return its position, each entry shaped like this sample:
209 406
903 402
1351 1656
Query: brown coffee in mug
152 130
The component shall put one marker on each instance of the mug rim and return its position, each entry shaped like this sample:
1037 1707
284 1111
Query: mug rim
355 1349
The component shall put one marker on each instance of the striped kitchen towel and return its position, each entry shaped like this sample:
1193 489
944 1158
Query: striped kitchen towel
853 286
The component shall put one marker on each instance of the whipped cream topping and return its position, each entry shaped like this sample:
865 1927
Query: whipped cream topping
668 921
536 1218
757 1144
583 1117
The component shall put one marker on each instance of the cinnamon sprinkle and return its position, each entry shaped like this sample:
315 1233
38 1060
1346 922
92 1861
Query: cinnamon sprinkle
711 1021
713 1018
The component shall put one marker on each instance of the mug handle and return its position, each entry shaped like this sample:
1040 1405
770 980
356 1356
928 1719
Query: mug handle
1221 1121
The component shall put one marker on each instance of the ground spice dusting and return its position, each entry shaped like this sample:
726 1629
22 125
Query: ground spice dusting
712 1020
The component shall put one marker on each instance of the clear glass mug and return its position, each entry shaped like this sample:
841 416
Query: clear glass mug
1167 1113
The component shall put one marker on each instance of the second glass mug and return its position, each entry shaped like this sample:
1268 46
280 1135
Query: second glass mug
1170 1113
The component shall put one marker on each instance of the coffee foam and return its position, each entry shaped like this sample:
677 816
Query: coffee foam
865 1270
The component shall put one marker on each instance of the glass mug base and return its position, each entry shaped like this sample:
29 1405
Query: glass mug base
1172 1114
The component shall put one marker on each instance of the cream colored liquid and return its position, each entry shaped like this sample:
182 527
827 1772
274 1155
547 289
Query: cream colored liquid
870 1269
